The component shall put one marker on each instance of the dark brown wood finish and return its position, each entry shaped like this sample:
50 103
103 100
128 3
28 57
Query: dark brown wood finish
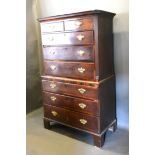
46 123
72 118
79 24
71 53
70 69
104 49
68 38
73 103
107 98
83 121
99 139
78 81
70 89
56 113
72 81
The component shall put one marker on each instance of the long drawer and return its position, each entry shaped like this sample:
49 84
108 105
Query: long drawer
72 103
76 70
75 119
73 53
68 38
88 92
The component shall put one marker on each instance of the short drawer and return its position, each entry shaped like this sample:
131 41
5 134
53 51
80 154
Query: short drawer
56 113
52 27
68 38
82 91
75 119
77 53
70 69
83 121
79 24
73 103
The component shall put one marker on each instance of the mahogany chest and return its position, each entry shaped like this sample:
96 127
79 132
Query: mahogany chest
78 81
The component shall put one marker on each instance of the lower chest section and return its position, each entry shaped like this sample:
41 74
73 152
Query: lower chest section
72 103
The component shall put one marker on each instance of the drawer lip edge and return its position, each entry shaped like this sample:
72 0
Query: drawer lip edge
91 87
77 97
67 31
50 78
64 61
92 99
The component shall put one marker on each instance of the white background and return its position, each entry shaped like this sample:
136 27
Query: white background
13 77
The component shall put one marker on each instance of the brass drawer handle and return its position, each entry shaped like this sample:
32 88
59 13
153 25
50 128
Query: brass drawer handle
54 113
53 67
81 90
81 70
51 38
78 24
52 85
52 26
81 53
53 98
83 121
52 52
82 105
80 37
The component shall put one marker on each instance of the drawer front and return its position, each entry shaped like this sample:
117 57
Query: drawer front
70 89
76 104
55 113
79 24
51 27
75 119
79 53
83 121
75 38
70 69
